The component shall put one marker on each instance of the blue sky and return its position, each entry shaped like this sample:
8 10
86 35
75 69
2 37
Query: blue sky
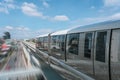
29 18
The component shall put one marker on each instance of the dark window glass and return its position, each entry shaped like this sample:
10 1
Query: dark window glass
40 41
45 42
88 45
59 41
73 42
54 40
101 46
45 39
62 42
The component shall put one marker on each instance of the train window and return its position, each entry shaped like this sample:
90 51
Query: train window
73 42
41 39
101 46
88 45
54 40
45 39
63 42
59 40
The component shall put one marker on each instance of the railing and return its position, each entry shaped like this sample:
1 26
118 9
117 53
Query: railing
50 60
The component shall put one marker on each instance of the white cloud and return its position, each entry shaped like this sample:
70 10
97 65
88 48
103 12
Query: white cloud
45 4
60 18
30 9
9 27
109 6
92 7
22 32
23 28
115 16
11 6
112 17
7 5
3 10
18 32
95 19
44 31
111 3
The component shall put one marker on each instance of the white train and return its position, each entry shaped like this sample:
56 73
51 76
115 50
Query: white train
58 39
95 47
42 41
57 43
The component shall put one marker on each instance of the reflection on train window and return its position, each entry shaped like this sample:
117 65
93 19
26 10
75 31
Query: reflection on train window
101 46
62 42
54 38
45 39
40 41
88 45
45 42
73 42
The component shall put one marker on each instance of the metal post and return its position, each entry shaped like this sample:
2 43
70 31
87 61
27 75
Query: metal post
49 44
49 47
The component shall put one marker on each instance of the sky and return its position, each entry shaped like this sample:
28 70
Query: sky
30 18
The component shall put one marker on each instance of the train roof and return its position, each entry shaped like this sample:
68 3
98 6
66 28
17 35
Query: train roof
62 32
43 35
97 26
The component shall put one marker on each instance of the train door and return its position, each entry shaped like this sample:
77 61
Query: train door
101 56
86 42
115 55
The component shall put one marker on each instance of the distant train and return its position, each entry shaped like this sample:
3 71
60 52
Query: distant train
95 48
42 42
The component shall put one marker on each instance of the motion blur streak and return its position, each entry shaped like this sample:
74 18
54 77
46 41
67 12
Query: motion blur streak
21 72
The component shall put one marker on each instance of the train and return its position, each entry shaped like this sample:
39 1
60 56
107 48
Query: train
93 49
42 42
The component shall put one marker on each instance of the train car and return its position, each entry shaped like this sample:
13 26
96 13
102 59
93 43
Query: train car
58 43
38 42
96 49
42 42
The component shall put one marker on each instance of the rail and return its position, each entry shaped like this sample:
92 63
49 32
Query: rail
51 60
